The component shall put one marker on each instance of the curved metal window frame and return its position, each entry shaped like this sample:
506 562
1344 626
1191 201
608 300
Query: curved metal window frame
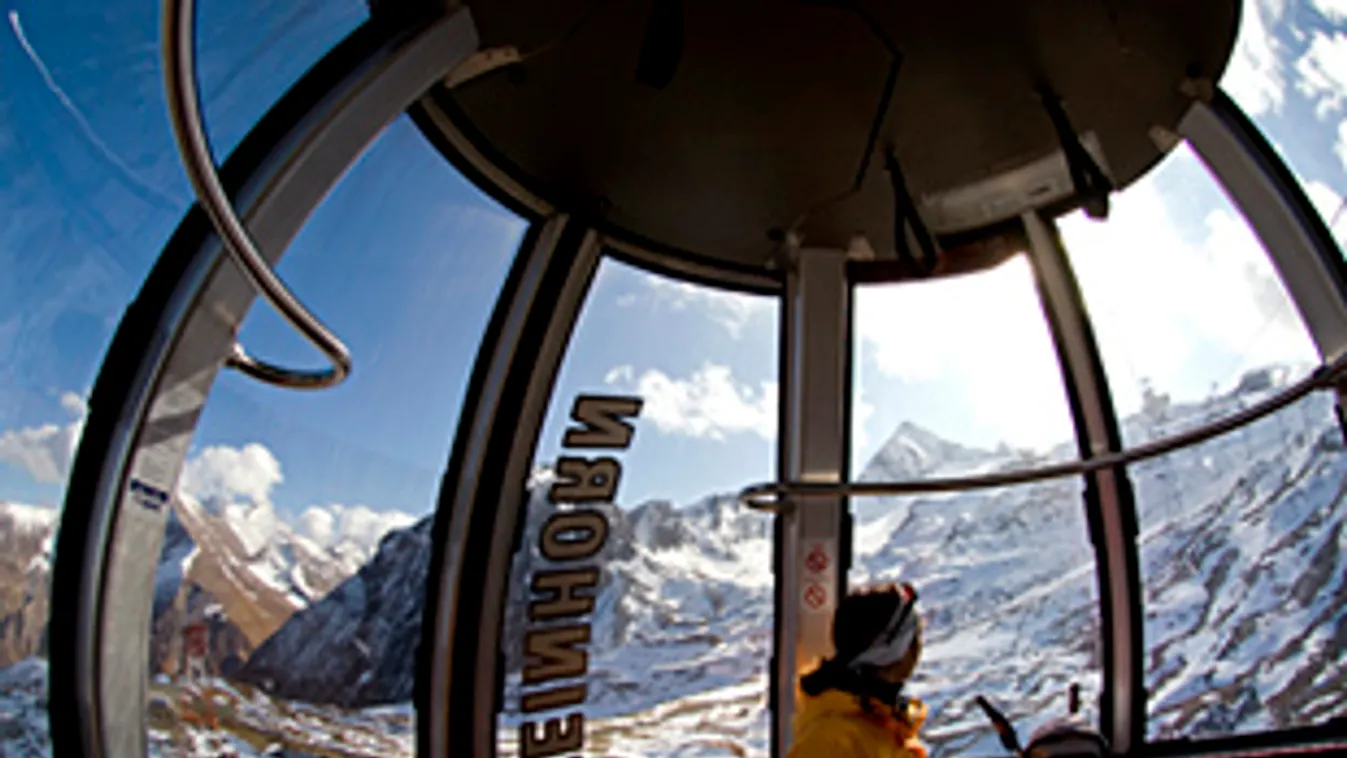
1109 499
478 521
480 517
167 351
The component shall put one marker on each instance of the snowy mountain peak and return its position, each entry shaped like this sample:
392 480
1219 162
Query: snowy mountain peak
913 451
711 523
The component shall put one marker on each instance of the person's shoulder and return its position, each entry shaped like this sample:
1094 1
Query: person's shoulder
848 737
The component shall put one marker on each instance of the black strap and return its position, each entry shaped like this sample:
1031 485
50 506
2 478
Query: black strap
1009 738
833 674
905 215
1090 183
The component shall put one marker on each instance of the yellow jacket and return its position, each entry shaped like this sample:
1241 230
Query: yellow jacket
833 725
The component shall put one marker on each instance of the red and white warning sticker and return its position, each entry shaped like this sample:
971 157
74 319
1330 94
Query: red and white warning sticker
819 577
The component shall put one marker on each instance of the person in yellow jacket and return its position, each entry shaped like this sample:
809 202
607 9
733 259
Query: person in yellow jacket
852 705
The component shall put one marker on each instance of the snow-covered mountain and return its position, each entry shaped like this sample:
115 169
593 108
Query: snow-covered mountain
263 568
1243 579
357 645
245 570
26 535
245 561
23 710
684 603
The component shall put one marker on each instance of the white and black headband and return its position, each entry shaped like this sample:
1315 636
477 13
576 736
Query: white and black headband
897 637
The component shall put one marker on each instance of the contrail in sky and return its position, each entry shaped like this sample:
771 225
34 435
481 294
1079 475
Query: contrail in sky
84 124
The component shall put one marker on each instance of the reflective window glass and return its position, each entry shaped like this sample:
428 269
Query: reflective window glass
292 574
955 377
1239 536
1289 73
91 190
677 633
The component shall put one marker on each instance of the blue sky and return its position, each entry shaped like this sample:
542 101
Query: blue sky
405 259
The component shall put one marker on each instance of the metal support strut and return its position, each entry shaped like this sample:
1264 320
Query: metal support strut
810 556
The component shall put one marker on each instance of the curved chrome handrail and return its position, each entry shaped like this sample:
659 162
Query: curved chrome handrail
770 497
179 53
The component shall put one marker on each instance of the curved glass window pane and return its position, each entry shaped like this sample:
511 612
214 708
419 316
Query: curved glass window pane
968 359
91 190
1183 298
294 564
1239 536
678 629
1289 73
957 377
1244 580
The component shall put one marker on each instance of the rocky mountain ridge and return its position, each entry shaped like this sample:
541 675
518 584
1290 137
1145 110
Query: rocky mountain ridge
242 569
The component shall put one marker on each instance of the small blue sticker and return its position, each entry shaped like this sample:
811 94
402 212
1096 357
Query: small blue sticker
151 498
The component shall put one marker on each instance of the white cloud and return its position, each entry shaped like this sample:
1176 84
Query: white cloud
237 483
948 329
708 404
46 451
978 342
1328 202
861 413
1157 298
1322 197
1180 305
359 526
731 310
619 375
1255 78
319 525
1333 10
1341 147
1323 73
221 475
74 404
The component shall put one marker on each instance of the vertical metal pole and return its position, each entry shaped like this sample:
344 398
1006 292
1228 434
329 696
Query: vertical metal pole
1110 505
816 335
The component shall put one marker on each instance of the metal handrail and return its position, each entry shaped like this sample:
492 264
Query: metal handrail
770 497
184 107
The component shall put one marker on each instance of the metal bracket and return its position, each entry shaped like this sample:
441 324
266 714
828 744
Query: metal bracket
1091 183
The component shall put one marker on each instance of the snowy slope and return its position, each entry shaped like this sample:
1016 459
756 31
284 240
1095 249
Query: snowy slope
684 604
212 720
1241 548
23 710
